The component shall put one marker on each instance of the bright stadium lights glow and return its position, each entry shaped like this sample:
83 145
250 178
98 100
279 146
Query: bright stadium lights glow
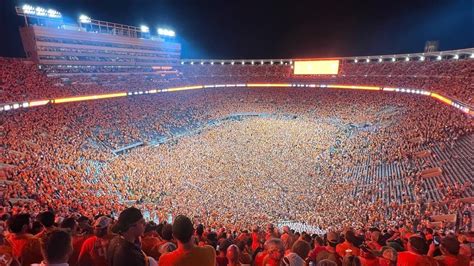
253 63
367 60
261 62
222 63
232 63
212 63
271 62
192 63
39 11
53 13
182 63
144 29
166 32
456 56
84 19
355 61
27 9
202 63
243 62
393 59
6 107
281 62
422 58
438 58
472 56
380 59
407 59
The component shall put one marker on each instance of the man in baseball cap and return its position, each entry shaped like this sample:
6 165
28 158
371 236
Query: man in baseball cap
124 249
95 247
330 252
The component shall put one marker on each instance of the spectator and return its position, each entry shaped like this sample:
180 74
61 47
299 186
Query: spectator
124 249
25 246
187 253
56 247
94 249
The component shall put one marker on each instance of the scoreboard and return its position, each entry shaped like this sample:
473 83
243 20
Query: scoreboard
318 67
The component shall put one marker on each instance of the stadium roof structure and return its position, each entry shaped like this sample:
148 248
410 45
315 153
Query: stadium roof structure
439 55
51 17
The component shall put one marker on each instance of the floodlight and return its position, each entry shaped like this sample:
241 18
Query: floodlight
84 19
261 62
380 59
222 62
253 62
212 63
271 62
456 56
281 62
438 58
144 28
39 11
407 58
472 56
367 60
243 62
422 58
53 13
182 63
166 32
232 63
27 9
393 59
6 107
355 61
192 63
16 106
202 63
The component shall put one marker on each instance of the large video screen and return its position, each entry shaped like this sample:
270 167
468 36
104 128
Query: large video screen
320 67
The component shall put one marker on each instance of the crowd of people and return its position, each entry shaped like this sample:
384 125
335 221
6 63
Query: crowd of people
129 239
231 160
24 81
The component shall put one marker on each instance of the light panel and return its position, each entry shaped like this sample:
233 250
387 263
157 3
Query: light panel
89 97
319 67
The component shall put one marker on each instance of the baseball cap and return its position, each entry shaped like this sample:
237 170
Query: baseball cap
127 218
102 222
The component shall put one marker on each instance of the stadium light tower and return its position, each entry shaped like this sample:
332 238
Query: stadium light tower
84 19
144 29
165 32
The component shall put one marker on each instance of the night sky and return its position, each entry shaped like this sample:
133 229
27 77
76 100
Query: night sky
225 29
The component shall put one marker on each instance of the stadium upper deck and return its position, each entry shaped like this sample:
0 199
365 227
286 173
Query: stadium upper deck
102 47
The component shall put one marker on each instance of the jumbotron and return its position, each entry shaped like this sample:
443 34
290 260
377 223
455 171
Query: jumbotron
116 151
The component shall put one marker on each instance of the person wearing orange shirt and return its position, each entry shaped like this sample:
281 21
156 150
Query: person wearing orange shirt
25 247
93 250
449 247
150 241
187 253
350 243
415 254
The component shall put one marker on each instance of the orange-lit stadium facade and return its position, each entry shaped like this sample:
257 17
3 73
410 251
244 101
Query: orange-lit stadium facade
462 107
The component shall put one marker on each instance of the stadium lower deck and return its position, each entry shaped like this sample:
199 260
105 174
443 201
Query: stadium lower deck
245 156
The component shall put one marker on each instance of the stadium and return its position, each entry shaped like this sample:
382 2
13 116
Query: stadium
110 136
